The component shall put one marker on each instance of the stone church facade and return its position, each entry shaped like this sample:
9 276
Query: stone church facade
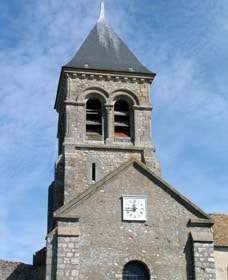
110 214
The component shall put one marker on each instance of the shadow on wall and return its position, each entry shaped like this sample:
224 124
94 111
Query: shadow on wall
189 259
27 272
20 271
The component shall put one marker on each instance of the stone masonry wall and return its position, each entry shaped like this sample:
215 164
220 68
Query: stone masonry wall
79 167
105 242
20 271
80 82
63 253
68 260
204 261
78 152
108 88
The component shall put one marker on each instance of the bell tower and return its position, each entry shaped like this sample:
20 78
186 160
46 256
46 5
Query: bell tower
110 215
103 103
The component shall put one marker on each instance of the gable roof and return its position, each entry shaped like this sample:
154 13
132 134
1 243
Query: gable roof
220 229
201 215
104 50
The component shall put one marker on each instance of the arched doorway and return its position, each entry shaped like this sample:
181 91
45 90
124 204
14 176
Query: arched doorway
135 271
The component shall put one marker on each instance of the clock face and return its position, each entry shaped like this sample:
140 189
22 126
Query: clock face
134 208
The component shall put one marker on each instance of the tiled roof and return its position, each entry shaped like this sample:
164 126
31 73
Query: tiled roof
220 229
104 50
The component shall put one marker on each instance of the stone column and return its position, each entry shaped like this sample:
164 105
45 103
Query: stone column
62 262
51 258
109 124
203 254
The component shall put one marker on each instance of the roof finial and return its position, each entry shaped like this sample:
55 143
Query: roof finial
102 12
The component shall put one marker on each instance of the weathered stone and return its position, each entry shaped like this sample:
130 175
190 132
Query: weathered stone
20 271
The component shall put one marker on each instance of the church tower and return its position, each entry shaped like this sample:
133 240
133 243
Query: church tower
110 214
103 102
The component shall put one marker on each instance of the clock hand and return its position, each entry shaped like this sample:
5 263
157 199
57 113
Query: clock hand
129 209
134 208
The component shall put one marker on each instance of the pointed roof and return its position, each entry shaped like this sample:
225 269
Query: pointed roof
104 50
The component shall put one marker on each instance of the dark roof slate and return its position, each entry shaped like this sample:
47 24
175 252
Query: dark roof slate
104 50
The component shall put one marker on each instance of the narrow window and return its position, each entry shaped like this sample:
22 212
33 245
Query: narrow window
121 119
93 171
93 119
135 271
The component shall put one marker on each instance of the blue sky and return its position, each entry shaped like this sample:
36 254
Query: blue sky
184 42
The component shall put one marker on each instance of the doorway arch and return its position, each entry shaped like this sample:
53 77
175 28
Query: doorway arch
135 271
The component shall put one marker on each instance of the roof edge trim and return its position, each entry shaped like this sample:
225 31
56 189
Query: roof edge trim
204 220
107 71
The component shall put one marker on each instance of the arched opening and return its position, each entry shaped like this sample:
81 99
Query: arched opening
121 119
94 119
135 271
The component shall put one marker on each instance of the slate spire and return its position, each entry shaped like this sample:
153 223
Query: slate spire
104 50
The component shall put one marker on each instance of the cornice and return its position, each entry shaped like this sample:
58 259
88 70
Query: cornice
107 75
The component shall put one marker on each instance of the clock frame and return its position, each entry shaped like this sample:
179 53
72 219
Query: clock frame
134 207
